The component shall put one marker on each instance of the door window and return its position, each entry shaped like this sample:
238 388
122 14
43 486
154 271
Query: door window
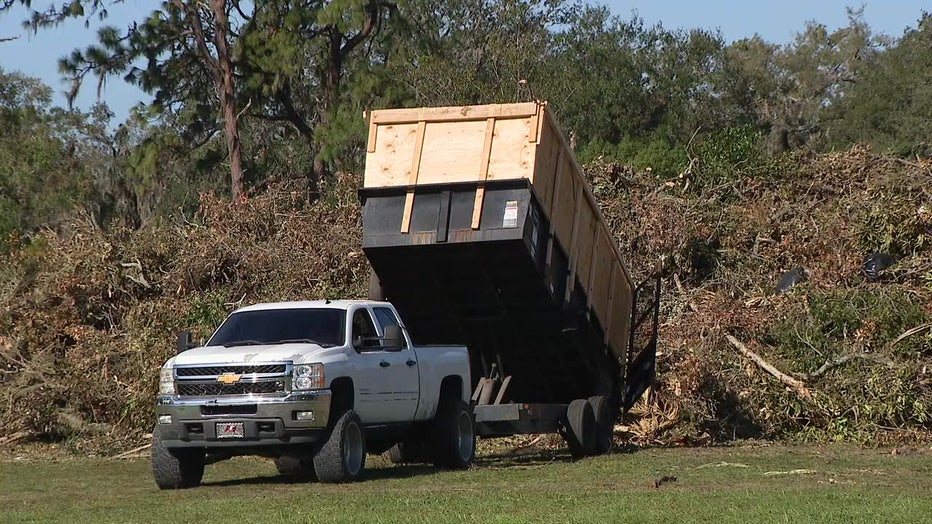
365 337
386 317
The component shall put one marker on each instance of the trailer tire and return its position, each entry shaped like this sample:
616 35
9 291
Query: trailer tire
456 444
604 424
580 428
175 469
342 457
299 467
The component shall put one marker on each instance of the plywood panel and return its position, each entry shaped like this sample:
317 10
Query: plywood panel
390 163
512 154
452 152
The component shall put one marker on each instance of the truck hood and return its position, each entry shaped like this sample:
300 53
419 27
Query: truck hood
297 353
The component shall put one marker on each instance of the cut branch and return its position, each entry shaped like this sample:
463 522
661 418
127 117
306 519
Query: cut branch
832 364
801 390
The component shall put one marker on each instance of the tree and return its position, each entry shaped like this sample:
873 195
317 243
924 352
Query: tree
787 89
43 158
890 105
215 63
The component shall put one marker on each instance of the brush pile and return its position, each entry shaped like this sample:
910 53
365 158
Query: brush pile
88 315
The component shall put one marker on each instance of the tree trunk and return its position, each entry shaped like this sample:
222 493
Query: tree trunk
230 118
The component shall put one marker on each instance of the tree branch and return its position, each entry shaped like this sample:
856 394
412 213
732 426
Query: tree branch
801 390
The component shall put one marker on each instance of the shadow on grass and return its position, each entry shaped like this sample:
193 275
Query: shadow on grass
382 473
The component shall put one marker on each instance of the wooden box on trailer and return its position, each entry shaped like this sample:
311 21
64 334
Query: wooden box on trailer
415 149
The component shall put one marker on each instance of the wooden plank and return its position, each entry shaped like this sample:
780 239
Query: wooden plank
609 317
532 127
486 150
544 169
477 207
593 259
373 136
409 208
418 150
454 113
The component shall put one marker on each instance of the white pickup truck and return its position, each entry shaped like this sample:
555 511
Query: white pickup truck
314 385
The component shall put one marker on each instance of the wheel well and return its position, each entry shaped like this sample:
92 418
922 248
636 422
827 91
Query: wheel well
451 390
342 398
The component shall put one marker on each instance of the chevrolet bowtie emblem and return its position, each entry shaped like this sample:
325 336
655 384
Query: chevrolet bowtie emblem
229 378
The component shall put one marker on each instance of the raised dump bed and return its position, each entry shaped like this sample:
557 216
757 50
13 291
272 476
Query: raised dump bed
481 229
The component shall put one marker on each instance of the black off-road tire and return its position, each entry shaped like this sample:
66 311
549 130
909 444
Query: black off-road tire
175 468
580 428
455 434
342 457
604 424
299 467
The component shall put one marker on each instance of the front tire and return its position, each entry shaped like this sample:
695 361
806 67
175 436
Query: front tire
342 457
456 447
175 468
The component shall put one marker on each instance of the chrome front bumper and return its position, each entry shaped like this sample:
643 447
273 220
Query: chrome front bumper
267 420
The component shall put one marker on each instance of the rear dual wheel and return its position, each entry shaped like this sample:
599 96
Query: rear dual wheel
588 427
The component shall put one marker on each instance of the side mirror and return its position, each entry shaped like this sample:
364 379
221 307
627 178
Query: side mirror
185 341
393 339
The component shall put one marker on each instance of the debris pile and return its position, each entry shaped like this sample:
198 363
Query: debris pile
842 348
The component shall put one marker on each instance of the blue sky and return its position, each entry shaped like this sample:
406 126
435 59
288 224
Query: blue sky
37 55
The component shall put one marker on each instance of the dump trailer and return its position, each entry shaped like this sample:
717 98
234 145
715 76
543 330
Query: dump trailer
481 229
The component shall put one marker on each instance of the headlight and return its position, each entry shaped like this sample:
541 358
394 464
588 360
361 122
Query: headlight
166 381
307 376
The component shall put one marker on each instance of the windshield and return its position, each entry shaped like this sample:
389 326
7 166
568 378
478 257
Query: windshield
282 326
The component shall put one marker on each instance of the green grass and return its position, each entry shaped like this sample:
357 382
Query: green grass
725 484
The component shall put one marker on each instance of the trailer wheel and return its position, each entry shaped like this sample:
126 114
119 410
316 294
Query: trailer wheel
580 428
178 468
456 444
604 424
299 467
342 457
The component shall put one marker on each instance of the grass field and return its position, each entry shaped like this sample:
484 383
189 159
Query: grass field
769 483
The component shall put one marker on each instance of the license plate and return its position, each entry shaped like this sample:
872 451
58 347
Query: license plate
230 430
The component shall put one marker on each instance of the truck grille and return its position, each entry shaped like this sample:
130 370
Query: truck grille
253 379
219 370
247 388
